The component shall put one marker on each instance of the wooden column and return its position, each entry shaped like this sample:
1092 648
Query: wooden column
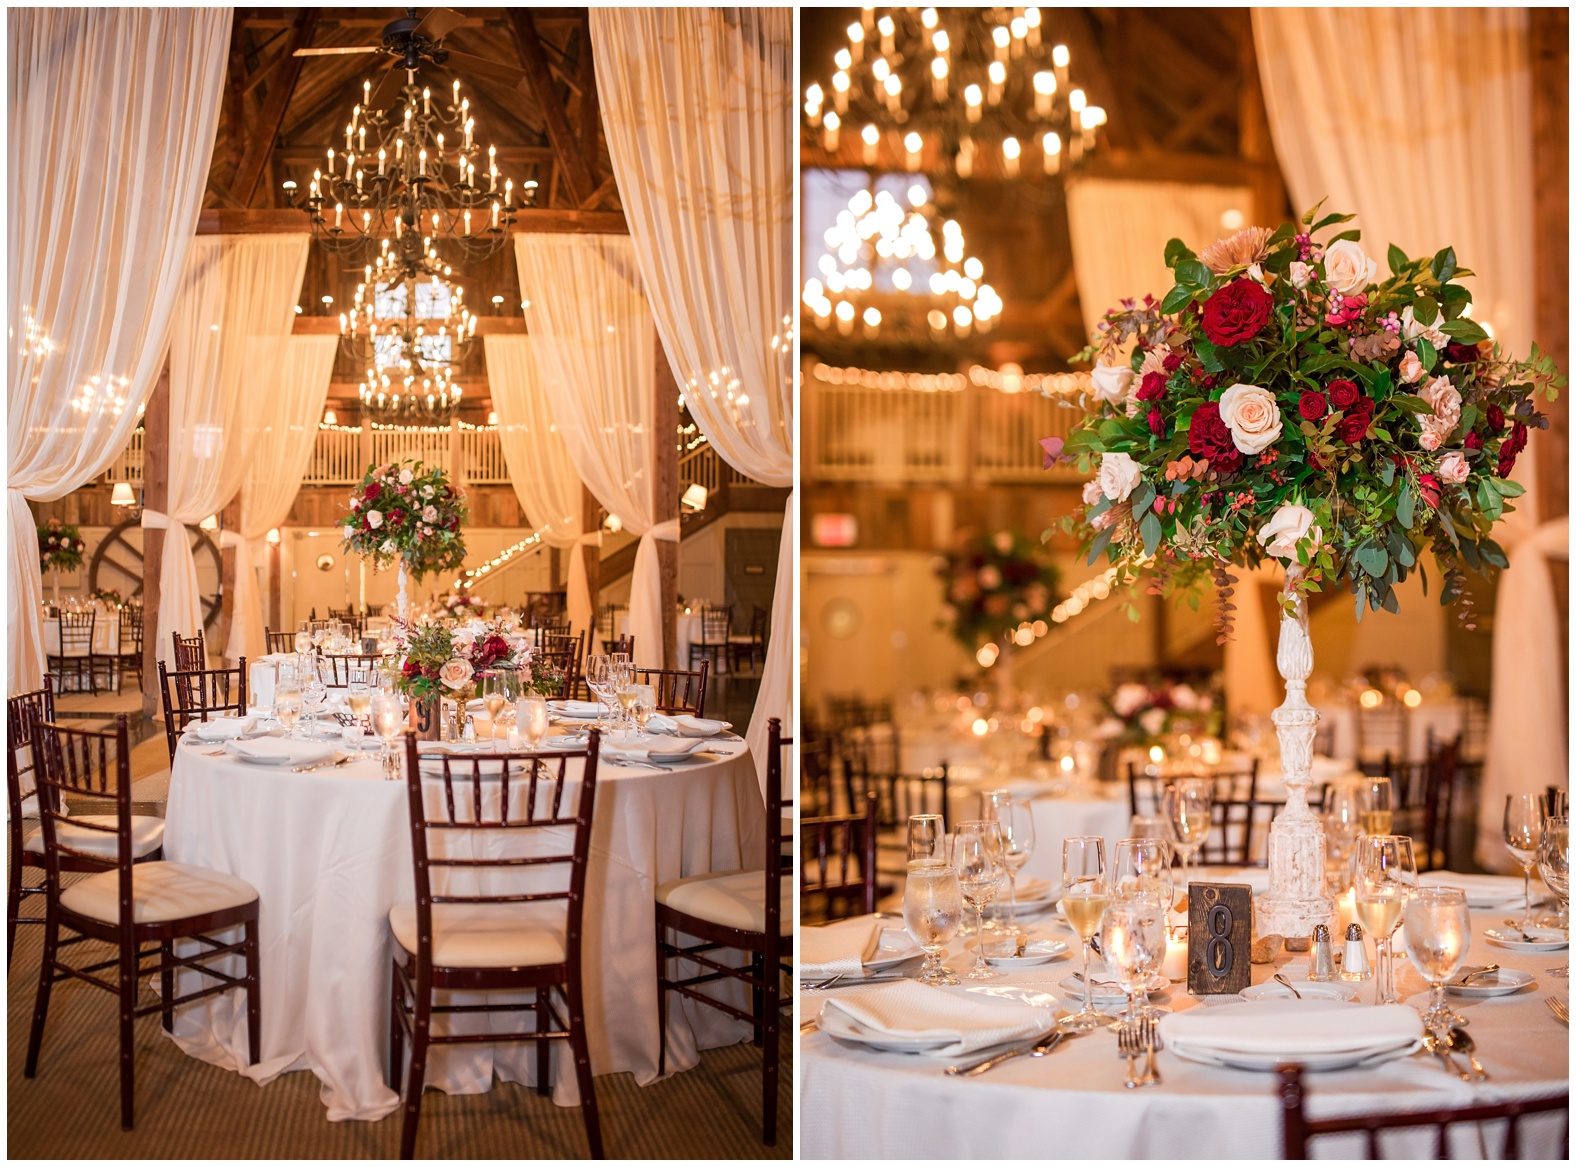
229 520
665 494
456 455
366 442
591 554
1549 45
1254 143
274 591
155 497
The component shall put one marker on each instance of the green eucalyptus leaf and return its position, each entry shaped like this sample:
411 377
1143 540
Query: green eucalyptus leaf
1403 508
1506 488
1464 331
1150 530
1373 559
1102 540
1493 553
1389 603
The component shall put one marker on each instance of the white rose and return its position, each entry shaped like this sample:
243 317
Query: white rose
388 546
1003 542
456 673
1253 416
1445 400
1119 474
1255 272
405 477
429 514
1184 698
1153 721
1300 274
1129 699
989 578
1347 267
1091 492
1286 528
375 519
1411 369
1411 329
1111 381
1453 467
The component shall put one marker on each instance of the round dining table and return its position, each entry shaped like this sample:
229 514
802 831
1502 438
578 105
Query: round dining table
329 851
859 1103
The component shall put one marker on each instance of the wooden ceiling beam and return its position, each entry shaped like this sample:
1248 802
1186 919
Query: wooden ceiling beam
249 171
485 326
531 220
1216 104
590 118
575 176
1174 166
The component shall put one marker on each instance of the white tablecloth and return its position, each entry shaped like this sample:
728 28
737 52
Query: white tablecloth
329 853
859 1104
106 634
688 633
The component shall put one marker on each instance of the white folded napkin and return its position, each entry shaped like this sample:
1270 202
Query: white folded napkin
704 726
222 728
840 948
279 750
1292 1028
580 709
1031 889
662 723
1483 891
664 747
260 681
963 1023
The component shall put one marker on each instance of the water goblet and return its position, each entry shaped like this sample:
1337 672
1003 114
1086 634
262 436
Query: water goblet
1437 932
1084 898
1383 874
981 866
932 911
1554 864
1523 832
1133 942
645 705
303 637
1189 803
530 719
288 705
1017 832
1143 866
387 721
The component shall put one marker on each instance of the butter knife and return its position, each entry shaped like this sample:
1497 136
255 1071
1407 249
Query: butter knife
1038 1048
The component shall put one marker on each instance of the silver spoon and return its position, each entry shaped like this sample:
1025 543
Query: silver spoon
1461 1041
1482 972
1520 931
1289 985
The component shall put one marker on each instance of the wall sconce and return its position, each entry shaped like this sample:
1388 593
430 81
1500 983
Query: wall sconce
273 536
613 523
492 418
122 495
694 497
330 417
211 523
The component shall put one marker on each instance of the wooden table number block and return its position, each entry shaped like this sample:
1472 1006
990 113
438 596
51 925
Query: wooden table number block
1219 938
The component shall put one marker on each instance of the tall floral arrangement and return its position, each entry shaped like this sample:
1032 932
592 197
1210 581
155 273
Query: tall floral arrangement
1284 401
407 511
994 585
60 546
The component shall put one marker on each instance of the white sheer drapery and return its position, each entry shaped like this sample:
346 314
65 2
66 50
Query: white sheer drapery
227 344
699 110
595 349
539 464
285 421
1363 103
1119 229
93 279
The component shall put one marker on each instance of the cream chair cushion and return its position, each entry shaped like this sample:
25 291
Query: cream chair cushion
735 899
488 935
160 891
147 836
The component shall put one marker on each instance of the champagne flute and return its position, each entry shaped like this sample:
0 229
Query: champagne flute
1017 833
977 856
1084 899
1384 873
1523 833
1437 932
1379 815
359 698
598 680
387 720
1133 942
1554 864
530 719
1189 803
645 705
932 900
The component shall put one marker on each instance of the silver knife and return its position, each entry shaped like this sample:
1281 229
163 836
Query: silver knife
1040 1046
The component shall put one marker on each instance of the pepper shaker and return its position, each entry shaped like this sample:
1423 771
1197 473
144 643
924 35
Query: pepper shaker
1354 961
1321 960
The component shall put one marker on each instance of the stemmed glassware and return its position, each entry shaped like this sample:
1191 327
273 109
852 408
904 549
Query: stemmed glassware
1017 832
359 699
1437 932
1084 898
1384 873
495 695
530 720
1378 813
1133 942
644 706
1554 864
1143 866
1189 803
977 854
288 703
1342 823
387 721
314 692
1523 832
601 680
303 638
932 900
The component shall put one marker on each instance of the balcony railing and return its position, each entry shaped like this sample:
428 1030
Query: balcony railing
702 465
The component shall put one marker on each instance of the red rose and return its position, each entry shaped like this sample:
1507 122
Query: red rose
1152 388
1473 441
1172 363
1517 442
1495 417
1343 393
1461 354
371 492
1507 463
411 668
1428 487
1236 312
1354 425
1157 424
1312 405
1209 437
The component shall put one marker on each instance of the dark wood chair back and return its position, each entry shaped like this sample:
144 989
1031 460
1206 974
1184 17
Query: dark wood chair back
678 690
84 763
571 649
624 644
815 776
715 625
607 622
778 864
1297 1129
1423 795
76 633
343 670
22 713
191 655
837 861
192 694
279 641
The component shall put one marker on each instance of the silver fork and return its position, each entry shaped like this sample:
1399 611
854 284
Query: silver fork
1559 1009
1152 1043
1128 1045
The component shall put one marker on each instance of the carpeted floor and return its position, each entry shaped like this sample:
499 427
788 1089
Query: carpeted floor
187 1109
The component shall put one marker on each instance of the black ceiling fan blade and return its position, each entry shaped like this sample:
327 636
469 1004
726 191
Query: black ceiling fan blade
482 67
439 23
389 85
341 52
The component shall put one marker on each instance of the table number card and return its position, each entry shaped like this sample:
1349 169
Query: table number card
1219 938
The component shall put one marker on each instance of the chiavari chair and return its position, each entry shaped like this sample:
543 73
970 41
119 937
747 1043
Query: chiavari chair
192 694
678 690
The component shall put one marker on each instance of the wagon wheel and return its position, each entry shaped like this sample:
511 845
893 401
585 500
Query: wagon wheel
117 566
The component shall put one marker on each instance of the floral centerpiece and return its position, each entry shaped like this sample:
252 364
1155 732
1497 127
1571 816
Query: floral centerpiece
443 659
409 512
1284 401
994 586
60 546
458 606
1141 714
109 596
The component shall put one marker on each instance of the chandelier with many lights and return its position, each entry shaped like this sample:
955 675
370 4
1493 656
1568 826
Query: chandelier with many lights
402 394
884 268
411 317
411 171
970 91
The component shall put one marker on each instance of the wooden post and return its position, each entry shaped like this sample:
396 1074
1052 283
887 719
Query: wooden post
229 520
1549 45
155 497
456 455
1255 146
665 493
591 554
274 596
366 442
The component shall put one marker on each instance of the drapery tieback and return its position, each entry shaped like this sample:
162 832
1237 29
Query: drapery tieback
590 539
667 531
234 539
157 520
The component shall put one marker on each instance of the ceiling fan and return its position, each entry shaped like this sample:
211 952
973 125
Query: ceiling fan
409 43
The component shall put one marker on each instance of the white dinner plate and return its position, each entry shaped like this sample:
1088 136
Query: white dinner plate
895 947
1543 939
687 725
278 751
1335 1060
1104 990
1495 984
839 1025
1038 951
1310 990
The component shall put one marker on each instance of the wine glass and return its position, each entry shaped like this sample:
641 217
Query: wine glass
1383 874
599 679
387 720
1378 816
1084 897
627 696
977 856
495 693
359 699
1189 803
1143 866
303 638
1133 942
1342 823
1017 832
314 692
1554 864
1523 833
927 839
530 720
1437 932
645 705
932 899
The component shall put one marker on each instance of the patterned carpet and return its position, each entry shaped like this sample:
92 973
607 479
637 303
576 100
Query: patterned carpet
187 1109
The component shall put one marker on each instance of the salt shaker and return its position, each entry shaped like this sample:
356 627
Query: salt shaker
470 728
1354 962
1321 960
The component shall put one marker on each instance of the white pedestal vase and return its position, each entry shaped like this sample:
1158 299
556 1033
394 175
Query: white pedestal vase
1297 900
403 600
